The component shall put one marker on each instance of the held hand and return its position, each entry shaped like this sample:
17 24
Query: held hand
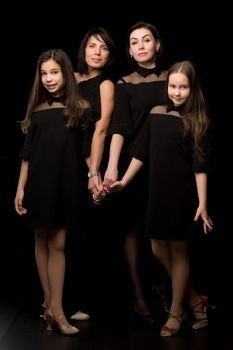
95 185
117 186
97 198
110 177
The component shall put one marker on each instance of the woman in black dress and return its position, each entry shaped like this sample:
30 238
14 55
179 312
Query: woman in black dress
49 185
174 141
95 56
136 94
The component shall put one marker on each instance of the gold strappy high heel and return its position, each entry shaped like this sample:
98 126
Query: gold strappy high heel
60 323
168 331
199 313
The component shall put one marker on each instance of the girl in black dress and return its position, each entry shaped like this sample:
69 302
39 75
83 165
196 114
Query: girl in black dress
49 185
174 142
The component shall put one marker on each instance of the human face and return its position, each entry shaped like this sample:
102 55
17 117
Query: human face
143 47
51 77
96 53
178 88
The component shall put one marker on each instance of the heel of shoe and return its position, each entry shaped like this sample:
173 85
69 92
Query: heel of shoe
61 324
49 327
199 312
44 306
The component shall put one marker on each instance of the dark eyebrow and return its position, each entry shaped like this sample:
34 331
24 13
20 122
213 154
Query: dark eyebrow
142 37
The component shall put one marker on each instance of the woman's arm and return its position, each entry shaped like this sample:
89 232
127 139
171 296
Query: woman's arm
111 173
107 90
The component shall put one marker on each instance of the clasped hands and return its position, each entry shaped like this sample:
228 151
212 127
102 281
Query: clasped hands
99 189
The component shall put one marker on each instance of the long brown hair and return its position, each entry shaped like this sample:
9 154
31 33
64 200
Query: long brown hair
195 118
73 102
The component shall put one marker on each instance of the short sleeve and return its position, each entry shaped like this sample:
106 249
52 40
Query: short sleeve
140 149
121 122
200 166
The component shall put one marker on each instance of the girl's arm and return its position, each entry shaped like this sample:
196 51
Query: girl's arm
20 188
134 166
201 183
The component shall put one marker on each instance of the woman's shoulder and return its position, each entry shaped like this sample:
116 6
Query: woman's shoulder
107 84
98 79
127 78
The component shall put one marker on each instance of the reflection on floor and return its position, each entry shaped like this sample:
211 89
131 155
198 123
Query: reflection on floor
21 328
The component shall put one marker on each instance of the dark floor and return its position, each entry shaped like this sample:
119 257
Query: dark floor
20 328
109 329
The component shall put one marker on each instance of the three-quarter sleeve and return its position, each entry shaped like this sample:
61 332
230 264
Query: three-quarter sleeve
89 119
27 147
203 166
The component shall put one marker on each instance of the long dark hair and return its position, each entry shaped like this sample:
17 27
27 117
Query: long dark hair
97 32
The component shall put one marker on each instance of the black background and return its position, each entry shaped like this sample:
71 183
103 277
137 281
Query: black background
187 31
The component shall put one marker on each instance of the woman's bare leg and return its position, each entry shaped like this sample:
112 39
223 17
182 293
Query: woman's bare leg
131 254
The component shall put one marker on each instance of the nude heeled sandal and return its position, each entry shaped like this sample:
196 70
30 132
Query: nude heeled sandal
60 323
168 331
